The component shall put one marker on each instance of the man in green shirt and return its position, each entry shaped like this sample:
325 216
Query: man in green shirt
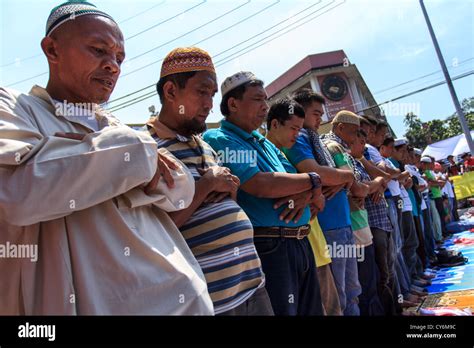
435 190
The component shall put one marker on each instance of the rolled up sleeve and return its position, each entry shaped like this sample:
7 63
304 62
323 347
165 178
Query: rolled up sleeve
168 199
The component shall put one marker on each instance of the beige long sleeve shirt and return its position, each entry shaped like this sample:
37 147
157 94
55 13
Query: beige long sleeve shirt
103 245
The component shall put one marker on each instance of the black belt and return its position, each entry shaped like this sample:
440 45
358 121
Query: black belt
283 232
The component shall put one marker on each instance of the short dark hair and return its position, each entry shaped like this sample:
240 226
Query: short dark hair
380 125
178 79
398 147
365 121
388 140
283 110
373 121
237 93
361 133
306 96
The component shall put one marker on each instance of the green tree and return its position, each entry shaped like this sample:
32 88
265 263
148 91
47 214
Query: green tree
420 134
416 132
453 124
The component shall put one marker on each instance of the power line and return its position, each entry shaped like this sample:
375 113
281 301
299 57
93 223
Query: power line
221 16
421 77
21 59
132 93
142 12
150 94
133 101
218 54
166 20
419 84
196 43
120 22
237 23
143 31
27 79
356 105
458 77
275 25
228 59
189 32
385 89
152 63
153 84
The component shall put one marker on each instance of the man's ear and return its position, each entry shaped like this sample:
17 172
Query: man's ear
169 91
232 104
49 47
274 124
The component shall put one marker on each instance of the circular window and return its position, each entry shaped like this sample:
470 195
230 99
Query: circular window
334 87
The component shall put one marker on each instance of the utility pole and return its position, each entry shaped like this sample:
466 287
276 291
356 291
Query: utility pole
449 82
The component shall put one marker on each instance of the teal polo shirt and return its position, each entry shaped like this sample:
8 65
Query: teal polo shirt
247 154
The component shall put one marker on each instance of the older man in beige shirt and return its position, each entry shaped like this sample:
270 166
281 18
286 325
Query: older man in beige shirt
85 191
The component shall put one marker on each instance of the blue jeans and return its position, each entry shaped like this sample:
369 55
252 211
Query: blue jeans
291 276
344 269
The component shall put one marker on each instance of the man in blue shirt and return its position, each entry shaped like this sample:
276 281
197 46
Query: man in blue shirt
310 154
266 176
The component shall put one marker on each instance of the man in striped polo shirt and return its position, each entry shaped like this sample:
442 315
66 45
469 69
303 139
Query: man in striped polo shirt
216 229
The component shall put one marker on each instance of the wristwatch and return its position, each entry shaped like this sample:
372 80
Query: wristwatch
315 180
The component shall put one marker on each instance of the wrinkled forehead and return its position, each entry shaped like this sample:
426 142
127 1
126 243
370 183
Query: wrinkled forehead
91 27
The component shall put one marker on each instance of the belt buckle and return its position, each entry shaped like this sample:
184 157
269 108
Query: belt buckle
298 234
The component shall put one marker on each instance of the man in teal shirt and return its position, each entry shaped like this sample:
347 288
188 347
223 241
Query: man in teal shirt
268 179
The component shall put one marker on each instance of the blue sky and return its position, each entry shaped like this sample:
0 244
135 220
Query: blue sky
387 40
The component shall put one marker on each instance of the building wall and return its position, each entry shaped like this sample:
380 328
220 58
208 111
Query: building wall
357 98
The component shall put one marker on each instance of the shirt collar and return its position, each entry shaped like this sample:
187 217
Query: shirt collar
309 130
158 128
103 117
255 135
338 139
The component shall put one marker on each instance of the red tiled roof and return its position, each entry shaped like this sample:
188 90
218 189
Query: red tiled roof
311 62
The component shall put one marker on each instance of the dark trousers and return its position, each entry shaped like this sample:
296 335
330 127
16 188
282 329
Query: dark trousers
442 214
258 304
369 301
428 232
455 209
384 258
421 243
410 243
291 275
